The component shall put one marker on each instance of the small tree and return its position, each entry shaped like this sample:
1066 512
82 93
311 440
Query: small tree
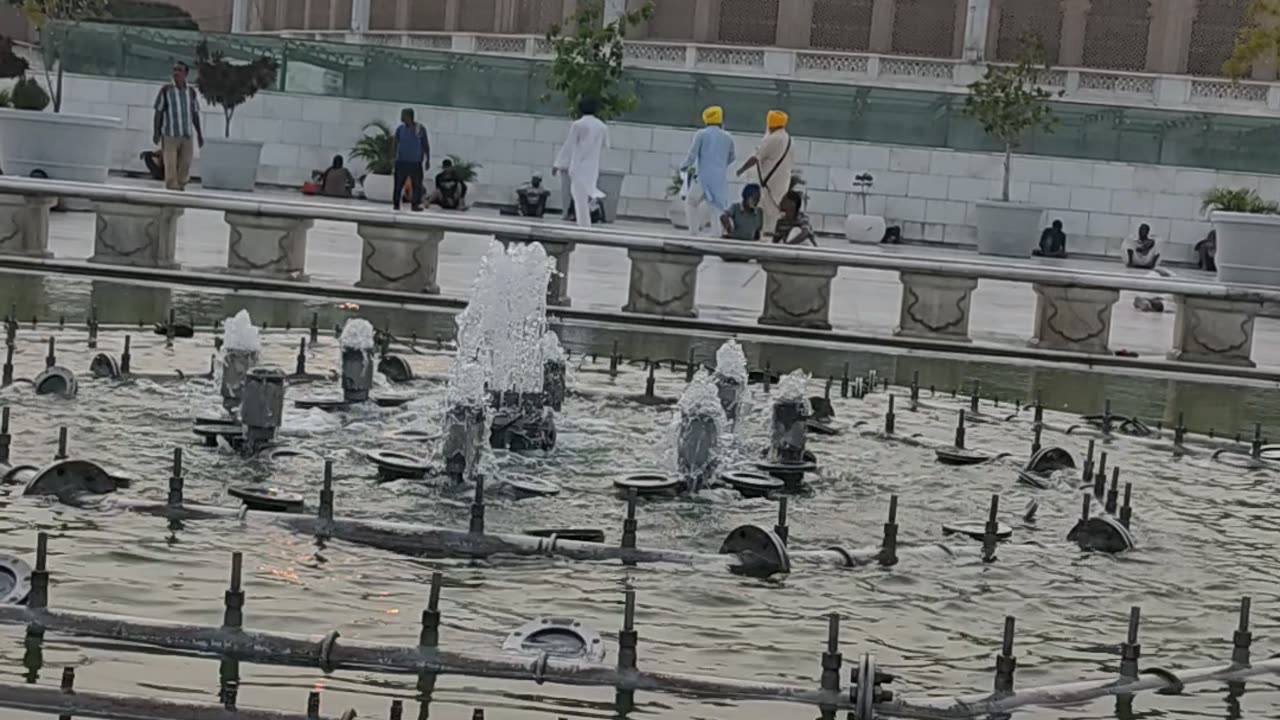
1258 40
1008 102
588 59
230 85
39 13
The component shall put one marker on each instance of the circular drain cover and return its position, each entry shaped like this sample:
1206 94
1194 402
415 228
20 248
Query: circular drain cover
527 487
15 580
104 366
760 552
590 535
415 435
326 404
391 400
1035 480
751 484
69 478
56 380
960 456
395 368
1048 459
977 530
266 497
821 428
774 468
648 484
18 474
1102 534
397 464
1271 452
1238 460
557 637
274 454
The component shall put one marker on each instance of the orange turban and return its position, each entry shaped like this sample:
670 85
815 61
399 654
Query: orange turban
776 119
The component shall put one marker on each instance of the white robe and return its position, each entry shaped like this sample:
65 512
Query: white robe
580 157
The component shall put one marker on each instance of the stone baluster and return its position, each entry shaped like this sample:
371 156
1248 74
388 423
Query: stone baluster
24 225
663 283
935 306
399 258
1075 319
1215 331
139 235
266 246
798 294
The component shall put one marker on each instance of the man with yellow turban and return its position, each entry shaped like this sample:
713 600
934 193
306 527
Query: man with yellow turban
772 161
709 159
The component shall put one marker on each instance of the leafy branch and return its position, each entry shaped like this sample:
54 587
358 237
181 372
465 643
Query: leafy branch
39 13
1258 40
588 59
230 85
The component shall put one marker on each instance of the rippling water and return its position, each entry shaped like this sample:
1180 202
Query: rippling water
1207 535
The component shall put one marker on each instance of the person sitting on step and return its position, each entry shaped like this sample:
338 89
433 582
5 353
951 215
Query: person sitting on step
1053 242
793 227
1143 252
451 191
1207 252
744 220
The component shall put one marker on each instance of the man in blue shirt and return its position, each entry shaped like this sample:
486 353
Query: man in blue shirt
412 154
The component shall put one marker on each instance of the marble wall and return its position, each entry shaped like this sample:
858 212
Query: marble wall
930 193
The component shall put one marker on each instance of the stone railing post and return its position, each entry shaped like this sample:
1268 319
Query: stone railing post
1076 319
663 283
24 225
935 306
1214 331
274 247
399 258
797 294
139 235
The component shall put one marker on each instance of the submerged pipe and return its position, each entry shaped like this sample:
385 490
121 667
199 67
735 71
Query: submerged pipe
82 704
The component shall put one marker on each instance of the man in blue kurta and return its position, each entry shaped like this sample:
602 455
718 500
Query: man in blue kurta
711 155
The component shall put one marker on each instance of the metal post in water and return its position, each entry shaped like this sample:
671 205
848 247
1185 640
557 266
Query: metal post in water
38 599
168 331
126 356
52 358
889 546
788 432
357 374
629 524
1084 510
430 635
1087 475
5 438
915 387
261 406
315 327
93 327
326 493
1126 510
888 418
1006 663
1241 639
844 382
689 367
233 600
7 377
1255 449
1100 476
1035 440
300 368
62 444
989 533
1113 495
960 430
397 710
68 686
175 480
831 661
477 714
1130 650
1106 417
973 399
627 655
648 383
313 705
781 529
614 358
477 508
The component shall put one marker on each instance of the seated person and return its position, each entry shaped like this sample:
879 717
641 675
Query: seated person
1142 253
336 180
1053 242
531 199
154 161
1207 252
793 227
450 192
744 220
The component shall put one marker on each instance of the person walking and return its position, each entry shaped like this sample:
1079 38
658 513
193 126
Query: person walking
710 155
580 158
772 161
176 128
412 153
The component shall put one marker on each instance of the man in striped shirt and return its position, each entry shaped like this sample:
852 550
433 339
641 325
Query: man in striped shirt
176 128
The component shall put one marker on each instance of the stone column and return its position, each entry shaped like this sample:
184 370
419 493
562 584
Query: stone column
399 258
335 20
1074 319
663 283
1169 37
24 225
558 283
882 17
935 306
504 16
359 16
452 14
239 16
795 23
1214 331
265 246
138 235
1075 18
282 15
306 15
797 294
706 21
402 15
993 27
977 22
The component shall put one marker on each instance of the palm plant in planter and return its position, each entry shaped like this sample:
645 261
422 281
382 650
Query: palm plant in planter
374 150
228 164
465 170
1008 102
1247 227
587 61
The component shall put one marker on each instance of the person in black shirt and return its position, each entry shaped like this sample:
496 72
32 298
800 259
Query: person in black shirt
1053 242
793 227
451 191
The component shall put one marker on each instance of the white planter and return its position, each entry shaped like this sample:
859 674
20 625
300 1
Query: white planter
677 214
1008 229
229 163
377 188
610 184
1248 248
864 228
62 145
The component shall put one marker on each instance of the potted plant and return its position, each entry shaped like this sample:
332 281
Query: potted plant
1247 229
676 211
587 62
374 150
63 146
226 163
465 169
1008 103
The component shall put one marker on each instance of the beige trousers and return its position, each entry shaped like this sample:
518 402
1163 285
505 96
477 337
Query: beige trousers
177 152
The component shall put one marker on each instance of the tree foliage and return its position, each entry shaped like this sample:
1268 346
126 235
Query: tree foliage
588 59
1008 101
39 13
230 85
374 148
1241 200
1258 40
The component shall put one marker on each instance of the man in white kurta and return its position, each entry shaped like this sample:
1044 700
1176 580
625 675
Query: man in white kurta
580 158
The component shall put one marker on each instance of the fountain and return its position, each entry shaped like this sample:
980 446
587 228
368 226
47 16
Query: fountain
240 348
553 371
731 378
357 343
700 420
787 458
262 407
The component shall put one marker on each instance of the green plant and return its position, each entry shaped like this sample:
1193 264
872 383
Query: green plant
1258 40
28 95
39 13
1241 200
1008 102
677 182
465 170
6 99
374 148
230 85
588 59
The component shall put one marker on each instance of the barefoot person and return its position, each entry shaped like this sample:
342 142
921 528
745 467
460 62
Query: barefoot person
412 152
176 128
1143 252
772 162
580 158
710 156
450 192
